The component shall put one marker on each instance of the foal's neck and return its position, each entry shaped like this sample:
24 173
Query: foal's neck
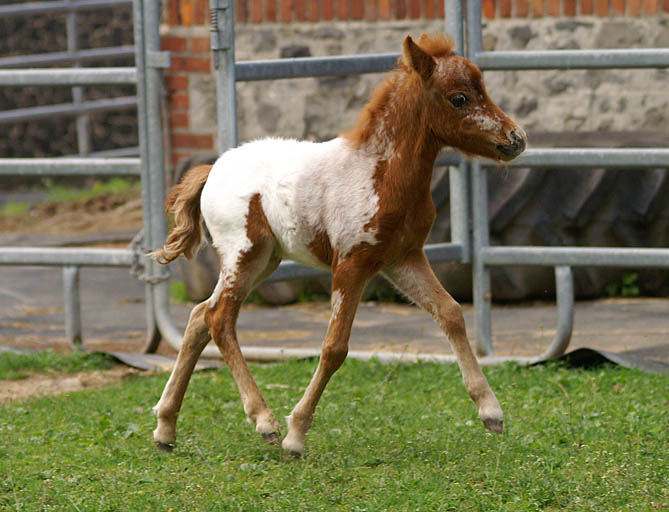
393 126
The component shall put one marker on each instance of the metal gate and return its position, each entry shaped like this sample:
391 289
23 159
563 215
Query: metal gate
561 258
146 75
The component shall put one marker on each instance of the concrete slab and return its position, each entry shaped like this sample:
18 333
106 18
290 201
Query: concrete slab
31 316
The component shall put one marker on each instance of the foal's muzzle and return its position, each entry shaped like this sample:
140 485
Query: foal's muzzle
517 146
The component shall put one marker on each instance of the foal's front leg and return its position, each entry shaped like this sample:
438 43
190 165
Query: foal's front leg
347 286
415 278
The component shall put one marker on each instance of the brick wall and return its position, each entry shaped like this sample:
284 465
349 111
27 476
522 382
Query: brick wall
194 12
186 35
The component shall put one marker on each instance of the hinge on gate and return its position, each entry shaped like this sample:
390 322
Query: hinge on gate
158 59
220 38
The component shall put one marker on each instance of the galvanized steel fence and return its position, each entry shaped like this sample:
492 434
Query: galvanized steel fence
75 56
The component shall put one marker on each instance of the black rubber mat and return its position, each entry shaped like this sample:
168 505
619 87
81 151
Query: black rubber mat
653 359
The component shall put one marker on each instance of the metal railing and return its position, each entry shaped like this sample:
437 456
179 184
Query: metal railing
147 77
79 108
561 258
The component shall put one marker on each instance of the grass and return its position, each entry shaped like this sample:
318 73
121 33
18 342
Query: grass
16 366
116 186
394 437
14 209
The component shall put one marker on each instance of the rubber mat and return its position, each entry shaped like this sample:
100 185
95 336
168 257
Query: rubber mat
653 359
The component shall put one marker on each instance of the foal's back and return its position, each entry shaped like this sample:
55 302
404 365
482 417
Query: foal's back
307 190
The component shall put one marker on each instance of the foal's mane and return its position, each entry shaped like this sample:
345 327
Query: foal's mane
436 46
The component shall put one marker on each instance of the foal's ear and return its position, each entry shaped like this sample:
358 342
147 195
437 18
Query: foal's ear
417 59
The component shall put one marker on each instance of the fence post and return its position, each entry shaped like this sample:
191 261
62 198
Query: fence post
481 274
223 56
72 307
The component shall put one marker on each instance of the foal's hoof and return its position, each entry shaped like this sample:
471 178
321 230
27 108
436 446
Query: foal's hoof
164 447
272 438
494 425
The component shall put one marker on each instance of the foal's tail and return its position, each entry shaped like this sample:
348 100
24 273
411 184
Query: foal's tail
184 201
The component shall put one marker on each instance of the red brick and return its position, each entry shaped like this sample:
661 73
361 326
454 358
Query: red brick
440 9
178 120
241 12
429 11
176 82
385 9
400 9
173 43
187 12
553 8
327 10
618 7
201 12
178 101
192 140
651 7
489 9
587 7
602 7
569 7
199 44
537 8
505 8
342 10
522 8
286 11
173 12
371 11
665 5
357 10
255 11
201 64
414 9
300 10
271 12
314 13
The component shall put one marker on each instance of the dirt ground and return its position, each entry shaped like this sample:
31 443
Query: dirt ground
56 383
99 214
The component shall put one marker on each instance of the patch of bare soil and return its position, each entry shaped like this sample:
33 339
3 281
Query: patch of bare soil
40 384
108 212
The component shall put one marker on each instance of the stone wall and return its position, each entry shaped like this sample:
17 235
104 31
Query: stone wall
319 108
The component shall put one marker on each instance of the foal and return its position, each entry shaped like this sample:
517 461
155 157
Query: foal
358 205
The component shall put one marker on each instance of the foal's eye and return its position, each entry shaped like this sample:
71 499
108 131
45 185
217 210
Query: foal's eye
458 100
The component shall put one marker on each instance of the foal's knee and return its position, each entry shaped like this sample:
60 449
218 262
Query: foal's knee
333 355
451 315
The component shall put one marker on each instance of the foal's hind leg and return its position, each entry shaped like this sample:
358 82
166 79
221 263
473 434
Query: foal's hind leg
222 319
250 268
415 278
167 409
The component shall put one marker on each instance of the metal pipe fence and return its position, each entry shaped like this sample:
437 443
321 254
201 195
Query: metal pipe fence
150 60
79 108
561 258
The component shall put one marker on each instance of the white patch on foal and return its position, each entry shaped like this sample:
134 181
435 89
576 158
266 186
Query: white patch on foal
484 121
335 301
305 188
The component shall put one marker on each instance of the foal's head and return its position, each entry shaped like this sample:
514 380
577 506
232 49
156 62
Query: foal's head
460 113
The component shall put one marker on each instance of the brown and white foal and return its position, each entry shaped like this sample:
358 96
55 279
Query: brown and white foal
358 205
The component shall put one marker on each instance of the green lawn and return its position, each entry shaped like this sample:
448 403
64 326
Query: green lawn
400 437
18 366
